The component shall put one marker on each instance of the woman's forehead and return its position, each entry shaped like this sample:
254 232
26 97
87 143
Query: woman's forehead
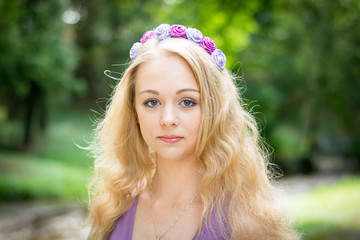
165 71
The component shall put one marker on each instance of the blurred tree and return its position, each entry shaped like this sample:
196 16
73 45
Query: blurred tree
104 37
228 22
303 68
300 61
301 65
36 62
108 29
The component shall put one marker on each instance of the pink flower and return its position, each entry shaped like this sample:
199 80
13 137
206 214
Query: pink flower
208 44
178 31
165 31
146 36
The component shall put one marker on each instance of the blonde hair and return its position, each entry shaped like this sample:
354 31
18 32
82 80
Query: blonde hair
235 183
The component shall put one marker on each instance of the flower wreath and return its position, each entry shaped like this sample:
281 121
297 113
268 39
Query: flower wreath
178 31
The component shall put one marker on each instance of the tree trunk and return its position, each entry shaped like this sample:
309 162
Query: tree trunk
34 98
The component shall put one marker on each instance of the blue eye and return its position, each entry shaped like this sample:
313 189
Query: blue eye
187 103
151 103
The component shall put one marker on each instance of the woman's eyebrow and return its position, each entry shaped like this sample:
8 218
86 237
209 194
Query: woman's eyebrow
177 92
186 89
150 91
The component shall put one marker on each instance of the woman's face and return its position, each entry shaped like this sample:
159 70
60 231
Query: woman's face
167 102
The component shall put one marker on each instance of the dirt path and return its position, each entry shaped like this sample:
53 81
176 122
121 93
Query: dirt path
42 221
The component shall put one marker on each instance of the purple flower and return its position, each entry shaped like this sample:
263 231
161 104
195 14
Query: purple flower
194 35
146 36
178 31
208 44
162 32
219 58
135 50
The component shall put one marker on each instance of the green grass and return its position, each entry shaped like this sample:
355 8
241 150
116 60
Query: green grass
69 128
55 168
27 177
329 212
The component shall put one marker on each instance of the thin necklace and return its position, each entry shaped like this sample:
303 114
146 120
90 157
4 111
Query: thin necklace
158 237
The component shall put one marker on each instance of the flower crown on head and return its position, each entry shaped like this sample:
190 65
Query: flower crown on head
178 31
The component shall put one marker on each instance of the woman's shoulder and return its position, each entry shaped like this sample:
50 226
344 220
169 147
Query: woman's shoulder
124 226
214 227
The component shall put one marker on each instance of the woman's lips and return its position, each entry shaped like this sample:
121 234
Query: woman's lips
170 139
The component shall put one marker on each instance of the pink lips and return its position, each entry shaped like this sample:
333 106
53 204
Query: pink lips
170 139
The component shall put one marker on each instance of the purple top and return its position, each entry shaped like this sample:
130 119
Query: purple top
124 227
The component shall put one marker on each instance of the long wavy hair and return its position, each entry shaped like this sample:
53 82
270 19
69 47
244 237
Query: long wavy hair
236 180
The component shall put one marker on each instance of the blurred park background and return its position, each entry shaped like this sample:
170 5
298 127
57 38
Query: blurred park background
300 66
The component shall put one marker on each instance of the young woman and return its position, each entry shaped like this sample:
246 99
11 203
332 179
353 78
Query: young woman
178 155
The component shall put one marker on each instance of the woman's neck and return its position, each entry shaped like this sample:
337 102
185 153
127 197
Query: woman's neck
176 180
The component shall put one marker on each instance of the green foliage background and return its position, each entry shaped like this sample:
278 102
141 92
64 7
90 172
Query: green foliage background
298 63
298 59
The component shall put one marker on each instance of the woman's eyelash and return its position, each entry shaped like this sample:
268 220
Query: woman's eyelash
188 102
151 102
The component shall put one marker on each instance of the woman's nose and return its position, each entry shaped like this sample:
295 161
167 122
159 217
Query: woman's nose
169 116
